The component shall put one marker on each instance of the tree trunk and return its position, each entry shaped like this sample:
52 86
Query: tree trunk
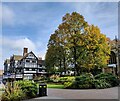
75 61
64 63
60 67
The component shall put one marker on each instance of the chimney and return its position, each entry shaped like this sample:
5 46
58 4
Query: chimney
25 51
39 58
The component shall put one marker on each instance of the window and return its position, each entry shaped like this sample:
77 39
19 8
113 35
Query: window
33 61
20 70
40 65
40 70
27 60
33 69
30 55
27 69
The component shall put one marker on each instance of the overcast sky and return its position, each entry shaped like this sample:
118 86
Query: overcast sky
31 24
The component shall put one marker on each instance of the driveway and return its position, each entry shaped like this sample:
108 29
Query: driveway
110 93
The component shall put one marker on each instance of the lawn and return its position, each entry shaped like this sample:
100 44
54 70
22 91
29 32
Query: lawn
55 86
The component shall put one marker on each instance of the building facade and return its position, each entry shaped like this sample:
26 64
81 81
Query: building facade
114 61
23 67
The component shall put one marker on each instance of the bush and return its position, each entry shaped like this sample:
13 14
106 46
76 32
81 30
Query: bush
84 81
100 84
66 79
12 93
88 81
109 78
68 85
53 77
28 87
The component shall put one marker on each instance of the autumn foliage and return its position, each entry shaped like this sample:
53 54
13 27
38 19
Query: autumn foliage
78 45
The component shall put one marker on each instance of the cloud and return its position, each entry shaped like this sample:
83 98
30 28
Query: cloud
98 11
103 15
18 43
15 45
8 16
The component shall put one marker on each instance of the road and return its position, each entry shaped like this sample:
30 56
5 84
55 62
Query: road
110 93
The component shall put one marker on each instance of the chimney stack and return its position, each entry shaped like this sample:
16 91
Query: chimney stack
25 51
39 58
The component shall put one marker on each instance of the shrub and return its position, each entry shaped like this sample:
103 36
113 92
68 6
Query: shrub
53 77
66 79
12 93
109 78
100 84
28 87
88 81
68 84
49 80
84 81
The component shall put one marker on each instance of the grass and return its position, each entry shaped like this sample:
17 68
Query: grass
55 86
51 85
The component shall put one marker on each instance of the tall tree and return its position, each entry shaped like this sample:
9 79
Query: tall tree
73 27
77 44
55 56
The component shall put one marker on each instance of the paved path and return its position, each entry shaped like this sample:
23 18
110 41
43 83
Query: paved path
110 93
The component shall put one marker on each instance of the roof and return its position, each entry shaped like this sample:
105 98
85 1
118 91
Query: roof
27 55
42 62
17 57
1 72
7 61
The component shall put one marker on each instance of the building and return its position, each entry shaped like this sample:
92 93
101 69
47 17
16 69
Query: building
7 66
114 61
25 66
1 72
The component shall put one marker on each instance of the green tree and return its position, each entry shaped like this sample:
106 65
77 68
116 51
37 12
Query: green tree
55 56
72 29
77 44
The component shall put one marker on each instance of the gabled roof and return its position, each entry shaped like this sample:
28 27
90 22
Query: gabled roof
27 55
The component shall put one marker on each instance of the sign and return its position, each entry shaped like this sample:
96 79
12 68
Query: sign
112 65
